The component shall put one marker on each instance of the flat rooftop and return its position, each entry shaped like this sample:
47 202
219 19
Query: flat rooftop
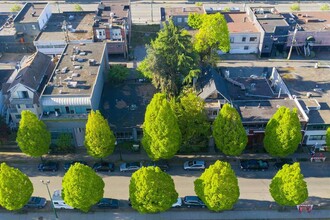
7 25
314 21
183 11
30 12
112 13
304 82
269 18
239 22
269 25
79 25
76 77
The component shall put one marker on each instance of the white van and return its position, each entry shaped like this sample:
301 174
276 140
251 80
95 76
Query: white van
58 202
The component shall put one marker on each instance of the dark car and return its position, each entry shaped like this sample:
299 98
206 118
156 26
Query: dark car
254 165
281 162
162 164
48 166
193 201
104 167
69 164
107 203
36 202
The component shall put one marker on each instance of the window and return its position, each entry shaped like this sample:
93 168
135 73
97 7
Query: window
231 40
18 106
23 94
317 137
244 39
179 20
253 39
246 47
28 106
100 34
18 116
186 20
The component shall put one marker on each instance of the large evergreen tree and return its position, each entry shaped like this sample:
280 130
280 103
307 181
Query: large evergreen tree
161 132
192 119
218 187
32 136
288 187
15 188
151 190
228 131
99 139
283 132
327 137
171 60
82 187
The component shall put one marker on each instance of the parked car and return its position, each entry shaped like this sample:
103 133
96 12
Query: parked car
48 166
281 162
104 167
194 165
36 202
105 203
193 201
69 164
254 165
130 166
178 203
162 164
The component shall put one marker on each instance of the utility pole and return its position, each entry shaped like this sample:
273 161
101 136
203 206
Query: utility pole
50 196
293 41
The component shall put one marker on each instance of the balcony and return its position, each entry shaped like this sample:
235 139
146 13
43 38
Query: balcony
21 101
53 116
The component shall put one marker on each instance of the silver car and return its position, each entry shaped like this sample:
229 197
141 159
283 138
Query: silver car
194 165
130 166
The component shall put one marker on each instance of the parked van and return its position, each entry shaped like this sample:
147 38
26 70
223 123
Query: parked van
58 202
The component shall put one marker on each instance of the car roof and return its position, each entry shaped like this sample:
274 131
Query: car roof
133 164
191 197
198 161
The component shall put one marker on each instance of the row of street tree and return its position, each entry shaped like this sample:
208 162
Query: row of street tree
151 190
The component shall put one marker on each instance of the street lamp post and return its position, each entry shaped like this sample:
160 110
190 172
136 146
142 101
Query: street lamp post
50 196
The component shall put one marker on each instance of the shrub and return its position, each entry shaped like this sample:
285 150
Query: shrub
295 7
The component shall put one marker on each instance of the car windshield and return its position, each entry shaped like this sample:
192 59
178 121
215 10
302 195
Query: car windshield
190 163
135 164
35 200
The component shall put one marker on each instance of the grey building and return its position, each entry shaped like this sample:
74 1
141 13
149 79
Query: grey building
179 15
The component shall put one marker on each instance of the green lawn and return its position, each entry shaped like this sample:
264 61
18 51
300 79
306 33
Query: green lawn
143 34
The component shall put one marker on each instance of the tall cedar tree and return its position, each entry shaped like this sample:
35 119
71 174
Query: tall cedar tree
99 139
151 190
288 187
218 187
171 60
192 119
212 34
161 132
327 137
15 188
32 136
228 131
283 133
82 187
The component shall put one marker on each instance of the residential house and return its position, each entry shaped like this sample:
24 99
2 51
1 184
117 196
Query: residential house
179 15
23 89
63 28
74 89
5 73
112 24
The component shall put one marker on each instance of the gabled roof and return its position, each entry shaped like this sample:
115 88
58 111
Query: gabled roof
212 82
34 72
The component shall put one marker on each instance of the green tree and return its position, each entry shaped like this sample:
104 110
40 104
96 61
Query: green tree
99 139
161 132
283 133
218 187
288 187
32 136
82 187
171 60
4 131
228 131
15 188
151 190
15 8
64 143
295 7
195 20
213 35
327 137
325 7
77 7
192 119
118 73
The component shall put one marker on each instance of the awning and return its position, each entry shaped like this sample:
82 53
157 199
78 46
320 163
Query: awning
66 101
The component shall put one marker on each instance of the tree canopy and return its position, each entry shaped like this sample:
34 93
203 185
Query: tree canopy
77 7
192 119
15 8
288 186
228 131
195 20
82 187
283 132
99 139
117 73
15 188
33 138
213 34
218 187
161 132
327 137
151 190
171 60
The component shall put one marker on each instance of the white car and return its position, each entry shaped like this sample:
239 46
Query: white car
194 165
130 166
178 203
